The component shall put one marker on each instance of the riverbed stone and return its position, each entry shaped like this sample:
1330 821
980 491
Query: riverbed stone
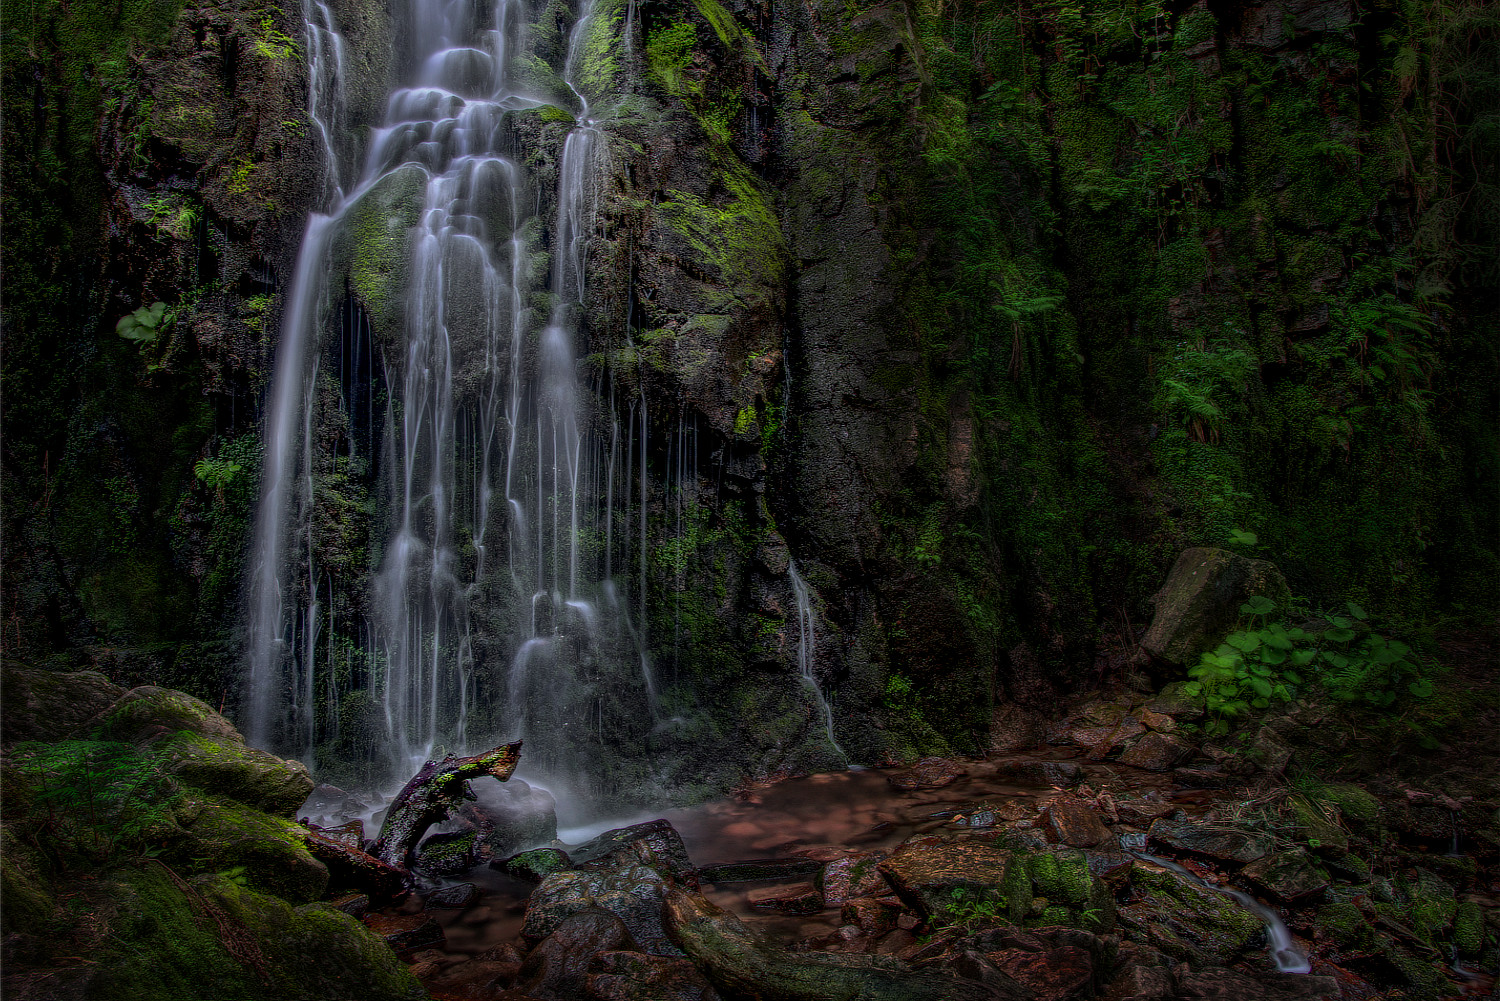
1071 821
1289 876
1218 844
1155 752
655 844
935 878
535 865
855 876
799 898
1242 985
1060 974
456 896
407 933
1186 921
1200 601
928 773
631 892
557 966
871 915
635 976
447 853
1065 879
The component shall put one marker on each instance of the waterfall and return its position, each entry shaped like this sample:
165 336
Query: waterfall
479 400
807 649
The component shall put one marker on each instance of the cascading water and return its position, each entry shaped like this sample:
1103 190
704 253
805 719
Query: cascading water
481 402
806 649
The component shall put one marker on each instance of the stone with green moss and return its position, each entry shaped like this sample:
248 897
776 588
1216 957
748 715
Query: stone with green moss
1345 925
1468 928
1355 804
1184 920
1064 877
230 769
223 835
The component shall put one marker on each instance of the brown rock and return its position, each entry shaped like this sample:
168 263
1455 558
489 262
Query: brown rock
1040 773
1056 975
1156 721
1143 811
1201 598
1155 752
1015 728
851 877
1070 821
926 877
872 917
635 976
800 898
407 933
929 773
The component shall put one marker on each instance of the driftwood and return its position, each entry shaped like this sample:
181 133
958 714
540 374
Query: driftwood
740 964
433 793
349 865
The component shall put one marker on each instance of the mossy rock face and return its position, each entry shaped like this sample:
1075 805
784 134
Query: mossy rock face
1468 928
247 774
176 948
1343 924
1356 805
43 705
536 865
1187 921
1201 601
144 715
224 835
1314 826
1064 879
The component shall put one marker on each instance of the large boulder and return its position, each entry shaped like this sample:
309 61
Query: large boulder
937 879
1187 922
46 705
1201 601
511 816
1221 845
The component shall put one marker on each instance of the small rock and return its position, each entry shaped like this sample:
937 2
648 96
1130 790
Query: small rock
1269 751
1060 974
1201 598
871 916
1289 876
1143 811
1155 752
635 976
855 876
1224 846
929 773
447 854
535 865
801 898
1070 821
459 895
407 933
1154 720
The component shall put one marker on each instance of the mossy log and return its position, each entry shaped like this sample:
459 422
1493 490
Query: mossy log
438 789
742 965
352 867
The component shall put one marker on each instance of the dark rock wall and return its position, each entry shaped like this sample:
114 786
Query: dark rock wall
978 313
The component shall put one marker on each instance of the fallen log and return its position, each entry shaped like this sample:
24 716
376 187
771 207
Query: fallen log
438 789
742 965
350 866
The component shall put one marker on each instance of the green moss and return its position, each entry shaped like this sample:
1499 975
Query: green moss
224 835
1354 803
373 247
1345 925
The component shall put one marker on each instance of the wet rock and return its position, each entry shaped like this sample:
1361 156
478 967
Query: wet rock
1202 778
656 844
870 915
1221 845
1240 985
1155 752
1144 810
1356 806
631 891
741 964
327 803
1070 821
1015 728
929 773
44 705
557 966
407 933
447 854
1288 876
1186 921
634 976
1140 974
1173 700
535 865
1344 925
753 869
1201 598
798 899
1158 721
1269 752
932 879
351 833
356 905
1040 773
511 816
855 876
976 966
459 895
1060 974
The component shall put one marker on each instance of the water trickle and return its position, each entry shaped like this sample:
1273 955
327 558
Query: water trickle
1284 952
807 650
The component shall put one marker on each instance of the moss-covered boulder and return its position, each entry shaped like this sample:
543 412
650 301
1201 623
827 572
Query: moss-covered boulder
1344 925
1064 879
1201 601
147 714
1184 920
272 855
45 705
939 880
228 768
26 893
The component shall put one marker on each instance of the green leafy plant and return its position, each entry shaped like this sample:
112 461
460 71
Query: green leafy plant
89 796
173 215
216 474
968 909
145 325
272 42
